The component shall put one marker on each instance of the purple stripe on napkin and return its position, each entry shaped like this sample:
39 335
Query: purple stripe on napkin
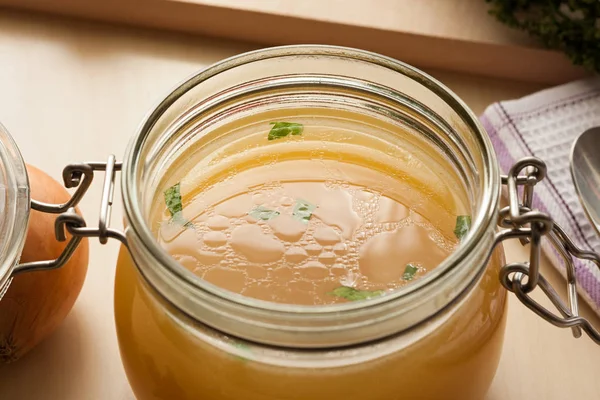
545 125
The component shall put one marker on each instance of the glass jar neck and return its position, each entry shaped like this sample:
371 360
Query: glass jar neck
328 76
14 204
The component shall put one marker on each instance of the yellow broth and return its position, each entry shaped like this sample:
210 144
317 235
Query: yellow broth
350 208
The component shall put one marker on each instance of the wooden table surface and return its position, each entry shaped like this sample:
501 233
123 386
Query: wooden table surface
74 91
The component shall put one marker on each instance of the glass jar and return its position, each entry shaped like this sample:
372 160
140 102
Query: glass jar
181 337
14 204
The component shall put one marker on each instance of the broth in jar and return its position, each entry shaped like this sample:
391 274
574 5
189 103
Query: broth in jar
309 207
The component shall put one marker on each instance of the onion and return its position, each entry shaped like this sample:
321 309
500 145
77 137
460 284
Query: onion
37 302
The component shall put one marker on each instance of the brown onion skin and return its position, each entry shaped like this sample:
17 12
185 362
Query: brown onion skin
36 303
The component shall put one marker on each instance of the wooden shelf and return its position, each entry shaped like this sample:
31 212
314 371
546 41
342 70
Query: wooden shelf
454 35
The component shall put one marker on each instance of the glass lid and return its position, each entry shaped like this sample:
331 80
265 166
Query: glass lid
14 207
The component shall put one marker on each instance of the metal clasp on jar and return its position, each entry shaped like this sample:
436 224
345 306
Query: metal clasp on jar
78 176
518 220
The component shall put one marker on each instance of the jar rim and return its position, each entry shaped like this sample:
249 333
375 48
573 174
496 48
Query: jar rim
481 221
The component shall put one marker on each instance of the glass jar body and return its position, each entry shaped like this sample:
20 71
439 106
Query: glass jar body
437 337
167 355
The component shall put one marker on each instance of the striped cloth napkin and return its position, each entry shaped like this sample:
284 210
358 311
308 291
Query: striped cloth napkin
544 125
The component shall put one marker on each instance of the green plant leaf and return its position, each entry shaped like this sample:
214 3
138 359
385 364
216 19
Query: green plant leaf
463 224
567 25
173 199
263 213
175 206
303 210
283 129
245 348
352 294
178 218
409 272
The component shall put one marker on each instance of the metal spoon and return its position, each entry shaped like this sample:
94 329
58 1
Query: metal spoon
585 170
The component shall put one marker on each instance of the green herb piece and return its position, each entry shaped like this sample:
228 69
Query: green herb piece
173 199
283 129
178 218
244 347
409 272
352 294
463 224
175 206
303 210
263 213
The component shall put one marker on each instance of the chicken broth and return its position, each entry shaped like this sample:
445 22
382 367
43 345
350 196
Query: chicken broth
326 207
310 208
